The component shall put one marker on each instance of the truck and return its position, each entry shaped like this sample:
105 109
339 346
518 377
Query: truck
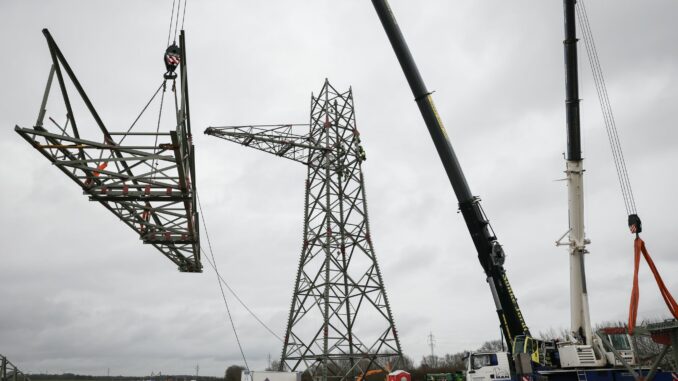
491 366
256 375
552 359
483 366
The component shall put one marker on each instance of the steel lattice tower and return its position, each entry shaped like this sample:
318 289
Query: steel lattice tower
340 323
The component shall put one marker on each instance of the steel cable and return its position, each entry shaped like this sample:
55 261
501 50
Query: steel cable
213 263
169 33
183 18
154 163
142 112
606 108
176 23
603 104
243 303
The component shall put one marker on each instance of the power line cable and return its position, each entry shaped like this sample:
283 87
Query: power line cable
221 288
228 287
244 305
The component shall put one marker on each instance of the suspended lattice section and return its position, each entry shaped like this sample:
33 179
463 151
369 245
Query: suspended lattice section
143 175
340 323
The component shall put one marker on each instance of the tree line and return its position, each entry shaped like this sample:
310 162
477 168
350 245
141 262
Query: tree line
645 348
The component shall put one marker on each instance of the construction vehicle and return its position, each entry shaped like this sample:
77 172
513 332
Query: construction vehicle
388 375
256 375
456 376
558 359
481 366
582 355
371 372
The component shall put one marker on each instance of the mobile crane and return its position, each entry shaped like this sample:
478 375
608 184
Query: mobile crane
531 358
490 252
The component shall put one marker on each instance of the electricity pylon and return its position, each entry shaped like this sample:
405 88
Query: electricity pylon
340 324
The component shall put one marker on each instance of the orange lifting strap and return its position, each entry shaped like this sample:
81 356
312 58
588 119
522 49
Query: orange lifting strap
639 246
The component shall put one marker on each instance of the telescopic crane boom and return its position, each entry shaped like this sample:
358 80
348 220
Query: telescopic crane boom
490 252
580 320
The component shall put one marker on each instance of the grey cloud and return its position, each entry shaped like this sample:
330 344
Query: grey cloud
80 293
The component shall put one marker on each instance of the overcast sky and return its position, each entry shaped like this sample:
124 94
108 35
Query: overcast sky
80 293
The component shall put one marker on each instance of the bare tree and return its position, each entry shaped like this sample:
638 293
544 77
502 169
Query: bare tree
492 346
455 360
554 334
274 366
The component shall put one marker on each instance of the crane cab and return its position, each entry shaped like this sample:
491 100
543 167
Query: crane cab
542 353
620 340
487 366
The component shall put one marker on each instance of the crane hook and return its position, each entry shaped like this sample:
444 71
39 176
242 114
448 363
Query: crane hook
172 59
635 225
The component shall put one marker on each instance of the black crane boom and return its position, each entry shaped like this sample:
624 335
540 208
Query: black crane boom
571 83
489 250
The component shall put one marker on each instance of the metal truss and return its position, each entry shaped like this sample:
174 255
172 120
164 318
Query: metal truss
148 182
340 323
9 371
277 139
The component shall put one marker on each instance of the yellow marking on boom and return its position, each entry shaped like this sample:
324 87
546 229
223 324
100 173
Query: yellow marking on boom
435 112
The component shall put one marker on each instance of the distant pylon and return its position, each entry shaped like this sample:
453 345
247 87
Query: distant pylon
340 323
432 344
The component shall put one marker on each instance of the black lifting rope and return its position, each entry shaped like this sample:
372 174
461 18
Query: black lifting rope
610 125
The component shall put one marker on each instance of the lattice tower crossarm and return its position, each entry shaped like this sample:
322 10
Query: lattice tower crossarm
147 179
340 323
